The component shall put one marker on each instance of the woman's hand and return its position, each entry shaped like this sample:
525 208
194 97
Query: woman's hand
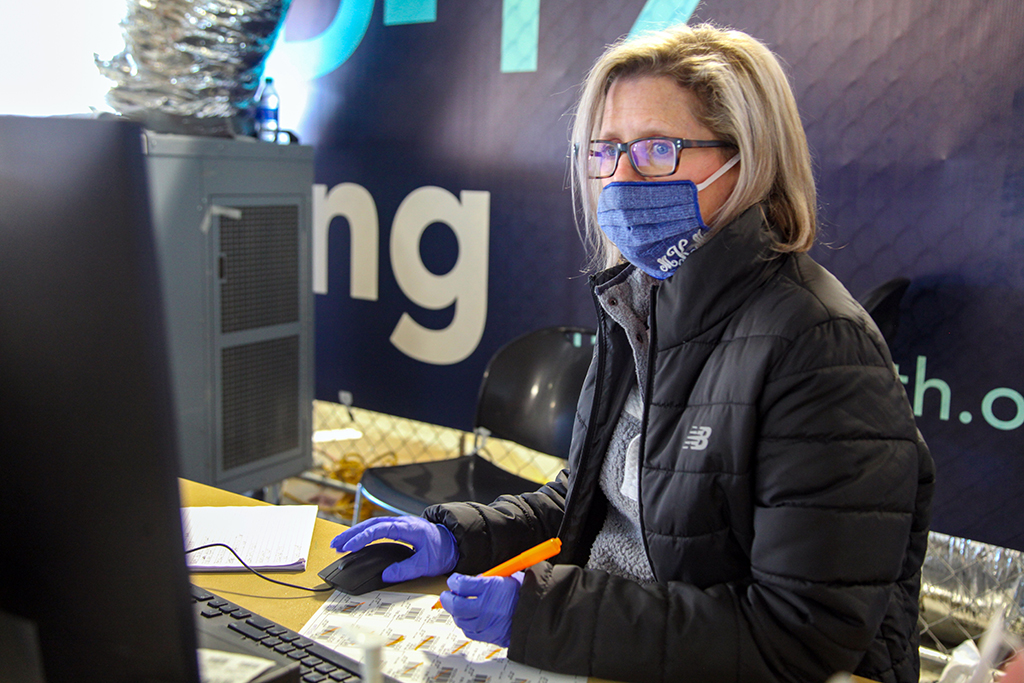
482 606
436 549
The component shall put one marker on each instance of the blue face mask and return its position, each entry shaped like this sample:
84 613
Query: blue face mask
654 224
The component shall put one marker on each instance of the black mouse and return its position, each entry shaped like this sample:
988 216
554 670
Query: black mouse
359 571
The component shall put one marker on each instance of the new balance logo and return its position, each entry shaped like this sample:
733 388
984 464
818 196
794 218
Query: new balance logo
697 439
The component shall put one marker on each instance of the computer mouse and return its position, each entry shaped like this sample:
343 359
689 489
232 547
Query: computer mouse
359 571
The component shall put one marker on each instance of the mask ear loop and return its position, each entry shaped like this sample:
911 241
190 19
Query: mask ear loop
720 172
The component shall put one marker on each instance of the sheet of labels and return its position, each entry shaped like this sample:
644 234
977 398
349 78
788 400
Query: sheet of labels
420 643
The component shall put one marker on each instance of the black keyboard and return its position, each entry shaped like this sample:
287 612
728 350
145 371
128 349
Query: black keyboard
299 658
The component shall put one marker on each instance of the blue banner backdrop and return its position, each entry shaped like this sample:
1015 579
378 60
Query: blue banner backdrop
445 227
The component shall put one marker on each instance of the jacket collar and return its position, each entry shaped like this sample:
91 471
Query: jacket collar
717 278
602 277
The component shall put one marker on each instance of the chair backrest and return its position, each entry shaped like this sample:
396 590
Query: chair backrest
531 385
883 304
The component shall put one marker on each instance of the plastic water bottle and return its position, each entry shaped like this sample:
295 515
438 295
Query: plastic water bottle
267 107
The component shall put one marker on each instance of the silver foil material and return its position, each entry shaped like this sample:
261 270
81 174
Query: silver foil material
964 584
192 66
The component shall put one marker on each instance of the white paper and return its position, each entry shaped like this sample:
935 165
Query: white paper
216 666
420 643
267 537
219 667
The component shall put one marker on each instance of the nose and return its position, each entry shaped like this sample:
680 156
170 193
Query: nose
624 172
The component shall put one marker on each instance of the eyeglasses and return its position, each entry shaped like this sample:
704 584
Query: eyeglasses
650 157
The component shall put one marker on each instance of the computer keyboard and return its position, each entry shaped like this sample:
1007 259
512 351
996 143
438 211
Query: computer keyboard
266 638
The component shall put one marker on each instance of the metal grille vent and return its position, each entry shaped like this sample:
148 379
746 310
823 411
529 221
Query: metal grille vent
260 400
260 267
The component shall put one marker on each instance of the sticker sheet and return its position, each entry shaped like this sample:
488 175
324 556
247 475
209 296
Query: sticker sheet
419 643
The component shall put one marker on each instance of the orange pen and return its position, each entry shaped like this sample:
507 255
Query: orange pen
527 558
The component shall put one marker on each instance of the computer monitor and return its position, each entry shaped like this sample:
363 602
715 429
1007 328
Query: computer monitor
93 581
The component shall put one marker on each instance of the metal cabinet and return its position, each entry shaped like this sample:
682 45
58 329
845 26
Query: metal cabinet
233 222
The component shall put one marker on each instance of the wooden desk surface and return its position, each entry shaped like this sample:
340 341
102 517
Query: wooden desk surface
288 606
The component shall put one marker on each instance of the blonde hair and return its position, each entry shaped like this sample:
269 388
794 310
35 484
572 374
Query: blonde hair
745 99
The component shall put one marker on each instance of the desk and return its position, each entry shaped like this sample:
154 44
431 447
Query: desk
288 606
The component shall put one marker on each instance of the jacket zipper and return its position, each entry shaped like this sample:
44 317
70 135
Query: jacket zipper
648 390
588 436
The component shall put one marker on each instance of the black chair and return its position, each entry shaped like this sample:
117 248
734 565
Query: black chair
528 396
883 304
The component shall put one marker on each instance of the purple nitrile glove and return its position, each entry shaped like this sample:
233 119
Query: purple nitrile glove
482 606
436 549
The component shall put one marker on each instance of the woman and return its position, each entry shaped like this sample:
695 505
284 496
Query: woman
747 496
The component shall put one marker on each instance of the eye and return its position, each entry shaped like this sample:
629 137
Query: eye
662 149
602 159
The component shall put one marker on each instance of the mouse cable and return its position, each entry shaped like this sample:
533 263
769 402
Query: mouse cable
262 576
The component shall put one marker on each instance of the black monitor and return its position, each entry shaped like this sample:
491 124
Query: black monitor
93 581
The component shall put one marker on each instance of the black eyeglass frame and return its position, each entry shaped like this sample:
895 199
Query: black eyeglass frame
625 147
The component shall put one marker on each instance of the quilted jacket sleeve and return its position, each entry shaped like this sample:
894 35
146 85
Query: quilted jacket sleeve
490 534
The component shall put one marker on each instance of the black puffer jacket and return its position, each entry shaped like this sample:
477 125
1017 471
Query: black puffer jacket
784 490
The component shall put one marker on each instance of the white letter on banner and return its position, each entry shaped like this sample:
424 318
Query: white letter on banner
465 284
355 204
